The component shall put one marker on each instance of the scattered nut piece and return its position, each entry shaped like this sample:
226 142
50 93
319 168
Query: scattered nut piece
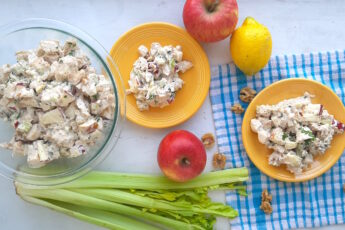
266 207
247 94
265 196
208 140
344 187
266 199
219 161
237 108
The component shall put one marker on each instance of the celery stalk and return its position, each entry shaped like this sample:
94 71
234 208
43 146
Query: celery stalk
93 216
91 202
123 197
154 199
98 179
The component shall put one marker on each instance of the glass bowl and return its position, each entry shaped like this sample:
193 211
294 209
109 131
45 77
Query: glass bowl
25 35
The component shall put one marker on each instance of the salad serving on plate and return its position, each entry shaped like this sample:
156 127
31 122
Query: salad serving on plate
296 130
296 135
154 79
161 94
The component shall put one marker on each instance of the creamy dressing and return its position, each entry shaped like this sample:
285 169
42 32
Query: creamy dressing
154 79
58 104
296 130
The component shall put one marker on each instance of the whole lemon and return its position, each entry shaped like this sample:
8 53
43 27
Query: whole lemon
251 46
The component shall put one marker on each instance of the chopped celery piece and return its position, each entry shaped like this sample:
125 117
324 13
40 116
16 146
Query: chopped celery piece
24 127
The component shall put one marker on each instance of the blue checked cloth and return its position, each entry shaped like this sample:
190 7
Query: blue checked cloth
295 205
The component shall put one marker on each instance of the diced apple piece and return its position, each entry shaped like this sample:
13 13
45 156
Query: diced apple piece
107 113
74 79
89 126
45 107
311 117
28 102
52 117
70 111
34 133
290 144
65 99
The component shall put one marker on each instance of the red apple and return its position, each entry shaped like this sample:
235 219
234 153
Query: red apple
210 20
181 156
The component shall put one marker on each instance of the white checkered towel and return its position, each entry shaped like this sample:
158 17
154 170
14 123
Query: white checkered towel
295 205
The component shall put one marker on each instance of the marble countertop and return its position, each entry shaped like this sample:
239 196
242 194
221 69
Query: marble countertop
296 26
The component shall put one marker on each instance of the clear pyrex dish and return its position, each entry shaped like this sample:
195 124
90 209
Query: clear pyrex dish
25 35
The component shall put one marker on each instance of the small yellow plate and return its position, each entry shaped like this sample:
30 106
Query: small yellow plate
197 79
285 89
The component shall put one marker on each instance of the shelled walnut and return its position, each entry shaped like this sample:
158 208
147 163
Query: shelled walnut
219 161
266 200
265 196
266 207
247 94
208 140
237 108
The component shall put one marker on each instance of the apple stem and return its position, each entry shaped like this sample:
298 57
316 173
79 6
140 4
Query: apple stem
185 161
211 5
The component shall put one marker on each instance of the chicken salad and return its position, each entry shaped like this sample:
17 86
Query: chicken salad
296 130
154 79
57 103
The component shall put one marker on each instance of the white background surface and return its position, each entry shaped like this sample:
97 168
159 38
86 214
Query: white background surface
296 26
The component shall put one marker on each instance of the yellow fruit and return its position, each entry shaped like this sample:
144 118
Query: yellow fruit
251 46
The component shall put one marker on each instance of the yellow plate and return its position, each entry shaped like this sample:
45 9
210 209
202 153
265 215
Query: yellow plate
285 89
197 79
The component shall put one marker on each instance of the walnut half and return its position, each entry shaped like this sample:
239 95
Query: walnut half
208 140
219 161
247 94
266 207
266 200
265 196
237 108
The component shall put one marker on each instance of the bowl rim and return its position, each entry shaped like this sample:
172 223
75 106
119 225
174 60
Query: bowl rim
119 116
251 156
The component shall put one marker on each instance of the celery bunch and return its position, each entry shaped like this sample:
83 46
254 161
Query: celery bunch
135 201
